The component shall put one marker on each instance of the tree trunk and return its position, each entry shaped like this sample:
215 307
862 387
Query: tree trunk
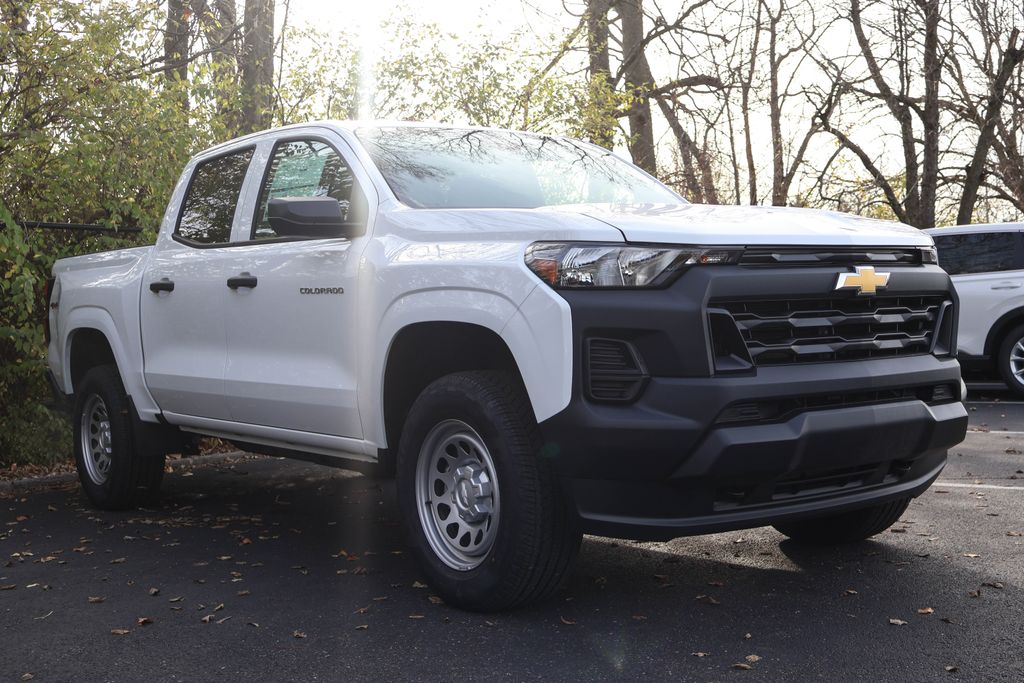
930 118
602 131
257 65
1009 61
176 42
745 87
638 79
775 110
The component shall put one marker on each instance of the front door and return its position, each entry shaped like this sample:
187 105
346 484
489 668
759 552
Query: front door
291 355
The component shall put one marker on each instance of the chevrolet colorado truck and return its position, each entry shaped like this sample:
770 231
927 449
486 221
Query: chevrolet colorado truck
536 338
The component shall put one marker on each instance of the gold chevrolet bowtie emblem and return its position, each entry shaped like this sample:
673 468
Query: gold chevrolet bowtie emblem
865 280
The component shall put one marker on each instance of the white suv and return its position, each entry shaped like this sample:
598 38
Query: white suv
987 265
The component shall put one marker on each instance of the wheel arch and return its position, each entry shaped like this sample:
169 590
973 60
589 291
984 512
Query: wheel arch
1002 326
424 351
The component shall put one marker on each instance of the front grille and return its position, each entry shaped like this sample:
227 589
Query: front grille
810 256
785 331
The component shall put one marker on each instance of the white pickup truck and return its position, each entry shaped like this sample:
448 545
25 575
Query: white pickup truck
538 339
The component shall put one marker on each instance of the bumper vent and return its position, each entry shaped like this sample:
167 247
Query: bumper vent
615 372
786 331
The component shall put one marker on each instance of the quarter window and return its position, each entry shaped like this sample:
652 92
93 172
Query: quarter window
306 168
978 252
209 207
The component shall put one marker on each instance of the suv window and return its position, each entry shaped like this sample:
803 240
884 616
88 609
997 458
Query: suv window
978 252
209 206
305 168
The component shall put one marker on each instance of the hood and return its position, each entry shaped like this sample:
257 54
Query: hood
751 225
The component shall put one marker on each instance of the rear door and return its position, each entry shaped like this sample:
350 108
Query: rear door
184 295
291 354
988 273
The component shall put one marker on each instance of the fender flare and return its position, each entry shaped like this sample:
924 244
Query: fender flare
538 334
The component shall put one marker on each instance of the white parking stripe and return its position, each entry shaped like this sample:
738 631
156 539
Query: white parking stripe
958 485
1007 433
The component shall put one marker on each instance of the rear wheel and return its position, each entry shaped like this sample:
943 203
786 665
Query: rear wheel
1011 360
114 475
484 514
846 527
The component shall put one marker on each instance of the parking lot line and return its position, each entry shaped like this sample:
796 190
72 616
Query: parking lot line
959 485
998 431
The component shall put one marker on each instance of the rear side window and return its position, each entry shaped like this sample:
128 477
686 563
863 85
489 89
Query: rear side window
209 206
979 252
306 168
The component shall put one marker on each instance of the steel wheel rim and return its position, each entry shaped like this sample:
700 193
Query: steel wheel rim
96 439
457 495
1017 360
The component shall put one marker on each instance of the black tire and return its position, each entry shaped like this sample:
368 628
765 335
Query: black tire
128 477
536 536
1007 349
846 527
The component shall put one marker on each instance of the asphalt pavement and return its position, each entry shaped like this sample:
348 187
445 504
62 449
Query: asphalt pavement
266 569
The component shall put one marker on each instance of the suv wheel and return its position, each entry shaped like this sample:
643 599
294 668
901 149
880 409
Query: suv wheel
1011 360
114 476
485 515
846 527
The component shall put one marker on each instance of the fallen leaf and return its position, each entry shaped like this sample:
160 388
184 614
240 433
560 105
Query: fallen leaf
206 619
118 560
120 631
415 616
742 666
707 600
897 622
8 587
154 591
417 584
971 555
639 617
143 621
223 619
567 622
699 654
298 634
95 600
218 607
177 599
850 591
252 623
926 610
747 636
362 627
436 600
994 584
752 658
974 594
952 669
27 676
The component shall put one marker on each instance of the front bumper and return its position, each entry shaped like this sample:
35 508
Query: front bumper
668 464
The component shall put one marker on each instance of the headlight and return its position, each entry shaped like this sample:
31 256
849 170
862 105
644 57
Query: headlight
588 265
929 255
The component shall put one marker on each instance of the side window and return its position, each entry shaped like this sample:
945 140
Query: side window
209 206
306 168
978 252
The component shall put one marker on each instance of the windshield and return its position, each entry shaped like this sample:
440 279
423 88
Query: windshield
434 168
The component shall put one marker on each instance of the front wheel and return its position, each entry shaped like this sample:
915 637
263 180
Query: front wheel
846 527
114 475
484 513
1011 360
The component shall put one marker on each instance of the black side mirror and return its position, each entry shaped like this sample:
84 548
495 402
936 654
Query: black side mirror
309 217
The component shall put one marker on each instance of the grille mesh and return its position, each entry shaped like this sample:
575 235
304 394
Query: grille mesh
785 331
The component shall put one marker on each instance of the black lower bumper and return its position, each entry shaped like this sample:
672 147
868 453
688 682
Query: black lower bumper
667 466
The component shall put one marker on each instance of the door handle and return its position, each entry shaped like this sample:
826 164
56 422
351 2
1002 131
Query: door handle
1006 285
161 285
242 280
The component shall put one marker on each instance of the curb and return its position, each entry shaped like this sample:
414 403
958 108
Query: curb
50 480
